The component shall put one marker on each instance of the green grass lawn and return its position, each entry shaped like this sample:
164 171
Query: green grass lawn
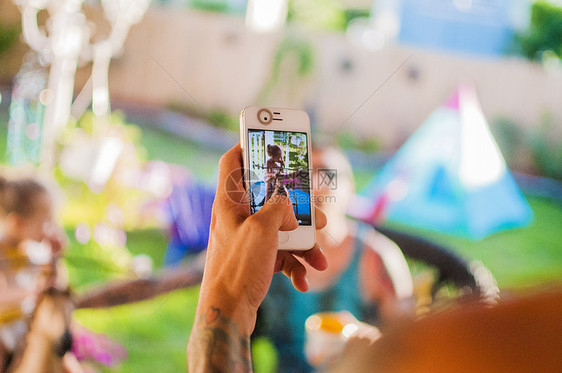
155 332
522 257
518 258
166 147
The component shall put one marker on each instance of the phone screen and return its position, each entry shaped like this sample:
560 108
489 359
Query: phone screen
278 163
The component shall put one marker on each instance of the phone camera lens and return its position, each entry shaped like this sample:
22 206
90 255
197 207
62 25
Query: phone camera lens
264 116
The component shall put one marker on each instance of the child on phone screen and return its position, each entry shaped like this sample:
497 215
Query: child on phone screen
275 166
367 274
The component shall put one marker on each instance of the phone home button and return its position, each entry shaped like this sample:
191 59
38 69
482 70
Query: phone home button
283 237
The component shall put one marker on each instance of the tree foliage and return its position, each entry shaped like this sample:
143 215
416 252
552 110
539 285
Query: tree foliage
8 37
544 33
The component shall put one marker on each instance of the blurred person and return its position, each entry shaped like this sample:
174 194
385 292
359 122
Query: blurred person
30 244
367 274
189 208
522 334
236 281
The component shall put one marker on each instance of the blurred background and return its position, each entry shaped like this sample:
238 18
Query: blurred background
129 104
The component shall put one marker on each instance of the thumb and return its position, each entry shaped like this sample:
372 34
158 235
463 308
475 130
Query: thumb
278 213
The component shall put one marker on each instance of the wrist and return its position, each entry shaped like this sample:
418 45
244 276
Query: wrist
36 336
220 338
218 302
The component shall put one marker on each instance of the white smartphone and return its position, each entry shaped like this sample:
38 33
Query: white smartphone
276 147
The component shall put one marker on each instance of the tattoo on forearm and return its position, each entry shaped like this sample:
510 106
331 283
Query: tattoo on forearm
217 346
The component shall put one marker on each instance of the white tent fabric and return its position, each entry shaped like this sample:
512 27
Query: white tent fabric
449 176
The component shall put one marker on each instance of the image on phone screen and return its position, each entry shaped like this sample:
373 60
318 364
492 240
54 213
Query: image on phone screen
278 163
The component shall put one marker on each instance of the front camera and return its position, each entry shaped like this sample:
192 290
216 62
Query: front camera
265 117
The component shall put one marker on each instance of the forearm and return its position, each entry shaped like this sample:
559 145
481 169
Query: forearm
219 340
137 290
36 355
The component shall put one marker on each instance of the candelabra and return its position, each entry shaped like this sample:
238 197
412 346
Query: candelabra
63 42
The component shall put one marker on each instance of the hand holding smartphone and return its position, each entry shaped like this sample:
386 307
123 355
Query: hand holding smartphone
276 150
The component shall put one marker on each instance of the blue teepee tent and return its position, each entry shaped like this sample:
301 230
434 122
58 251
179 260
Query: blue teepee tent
450 176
